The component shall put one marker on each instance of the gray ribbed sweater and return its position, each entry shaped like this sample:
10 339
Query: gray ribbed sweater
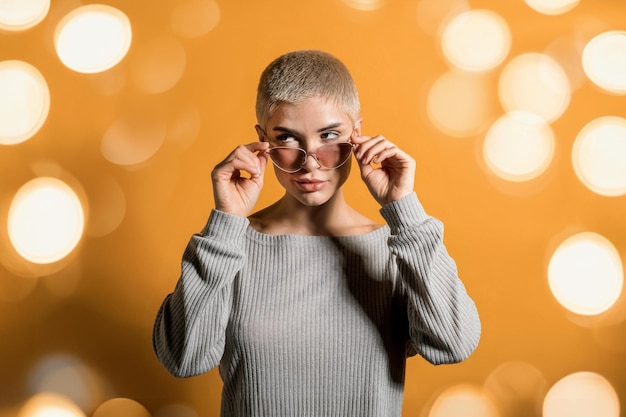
315 325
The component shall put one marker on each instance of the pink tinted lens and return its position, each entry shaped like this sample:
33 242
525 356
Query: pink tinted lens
333 155
289 159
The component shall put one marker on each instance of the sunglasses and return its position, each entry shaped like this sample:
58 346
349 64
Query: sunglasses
329 156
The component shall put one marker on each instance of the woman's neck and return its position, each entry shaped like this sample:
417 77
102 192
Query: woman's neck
333 218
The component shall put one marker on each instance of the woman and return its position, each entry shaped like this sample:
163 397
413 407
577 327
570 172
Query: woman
308 307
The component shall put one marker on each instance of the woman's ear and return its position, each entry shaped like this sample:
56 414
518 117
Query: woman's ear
357 126
260 133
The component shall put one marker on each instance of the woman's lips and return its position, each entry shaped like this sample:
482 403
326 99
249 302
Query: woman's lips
311 185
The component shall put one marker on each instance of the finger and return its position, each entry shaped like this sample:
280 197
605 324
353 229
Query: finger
366 169
242 158
263 159
387 154
363 143
358 139
369 151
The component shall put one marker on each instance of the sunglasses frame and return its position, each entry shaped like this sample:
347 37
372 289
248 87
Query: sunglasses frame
307 154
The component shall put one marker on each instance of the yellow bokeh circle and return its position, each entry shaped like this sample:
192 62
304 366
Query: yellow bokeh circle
585 274
46 220
24 101
18 15
93 38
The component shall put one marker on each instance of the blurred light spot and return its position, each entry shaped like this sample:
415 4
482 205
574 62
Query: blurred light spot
176 410
117 407
463 400
552 7
517 388
69 377
132 140
519 146
22 14
365 5
604 61
599 156
93 38
448 100
185 127
108 205
585 274
46 220
194 18
582 394
158 65
24 101
477 40
535 83
432 15
50 405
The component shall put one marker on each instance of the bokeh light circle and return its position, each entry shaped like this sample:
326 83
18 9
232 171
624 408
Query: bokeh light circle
158 65
463 400
24 101
582 394
599 156
447 103
194 18
45 221
50 405
93 38
365 5
117 407
433 15
519 146
604 61
132 139
67 375
552 7
476 40
22 14
535 83
518 388
585 274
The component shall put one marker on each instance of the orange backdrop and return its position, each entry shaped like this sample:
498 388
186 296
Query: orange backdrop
92 312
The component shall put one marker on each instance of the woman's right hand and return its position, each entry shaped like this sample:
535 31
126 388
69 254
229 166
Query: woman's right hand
234 193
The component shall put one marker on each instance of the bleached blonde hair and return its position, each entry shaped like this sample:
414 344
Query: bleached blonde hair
300 75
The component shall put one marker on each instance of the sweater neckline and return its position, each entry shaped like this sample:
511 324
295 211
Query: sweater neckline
265 238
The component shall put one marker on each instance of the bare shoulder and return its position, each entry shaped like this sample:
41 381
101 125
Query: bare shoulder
262 220
358 224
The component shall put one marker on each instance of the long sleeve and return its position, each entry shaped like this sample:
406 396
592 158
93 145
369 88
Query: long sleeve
189 331
444 326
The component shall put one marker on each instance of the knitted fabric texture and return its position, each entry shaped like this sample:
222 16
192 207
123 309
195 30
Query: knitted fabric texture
316 325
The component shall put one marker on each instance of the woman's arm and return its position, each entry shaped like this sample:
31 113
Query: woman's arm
444 326
189 331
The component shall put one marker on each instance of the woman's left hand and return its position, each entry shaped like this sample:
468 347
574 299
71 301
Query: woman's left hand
393 175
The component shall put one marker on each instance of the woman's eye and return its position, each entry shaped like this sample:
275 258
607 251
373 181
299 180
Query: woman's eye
285 138
330 135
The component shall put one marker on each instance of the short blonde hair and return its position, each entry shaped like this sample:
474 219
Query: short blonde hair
300 75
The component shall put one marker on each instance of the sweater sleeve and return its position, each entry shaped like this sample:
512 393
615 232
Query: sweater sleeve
189 331
444 326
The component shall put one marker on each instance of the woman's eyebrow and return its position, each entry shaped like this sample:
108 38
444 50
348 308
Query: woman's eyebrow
330 126
285 130
296 133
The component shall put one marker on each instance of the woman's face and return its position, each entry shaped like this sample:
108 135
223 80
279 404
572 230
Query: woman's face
308 125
